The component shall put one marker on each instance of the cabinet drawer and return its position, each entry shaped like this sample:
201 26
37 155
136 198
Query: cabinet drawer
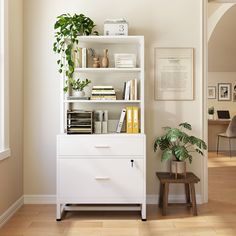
73 145
100 181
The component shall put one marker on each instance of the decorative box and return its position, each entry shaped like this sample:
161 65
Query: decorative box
116 27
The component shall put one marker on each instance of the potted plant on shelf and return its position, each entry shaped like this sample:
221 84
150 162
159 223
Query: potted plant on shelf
178 146
77 86
67 29
211 112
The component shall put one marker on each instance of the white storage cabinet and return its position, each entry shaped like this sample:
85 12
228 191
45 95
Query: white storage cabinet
106 169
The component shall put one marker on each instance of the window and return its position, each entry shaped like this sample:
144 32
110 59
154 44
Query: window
4 80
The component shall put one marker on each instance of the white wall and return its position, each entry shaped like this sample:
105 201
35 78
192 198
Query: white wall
164 23
11 169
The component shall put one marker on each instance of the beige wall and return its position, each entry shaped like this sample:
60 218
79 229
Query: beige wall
11 169
164 23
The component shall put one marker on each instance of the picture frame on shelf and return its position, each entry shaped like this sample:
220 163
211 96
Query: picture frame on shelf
224 91
173 74
211 92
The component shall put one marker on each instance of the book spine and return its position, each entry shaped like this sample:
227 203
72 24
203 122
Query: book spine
103 92
103 87
84 57
135 89
127 89
135 120
121 121
123 96
129 118
132 90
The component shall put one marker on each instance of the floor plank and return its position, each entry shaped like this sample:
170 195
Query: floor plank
216 218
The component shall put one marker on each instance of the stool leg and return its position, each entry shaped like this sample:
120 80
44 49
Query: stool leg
230 147
165 198
161 195
218 139
187 193
193 196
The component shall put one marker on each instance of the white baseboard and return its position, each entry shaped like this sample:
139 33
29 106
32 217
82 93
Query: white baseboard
151 199
39 199
11 211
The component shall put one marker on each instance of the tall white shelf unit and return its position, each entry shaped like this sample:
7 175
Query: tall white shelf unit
107 169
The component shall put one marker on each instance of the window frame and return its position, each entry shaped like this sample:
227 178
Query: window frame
4 82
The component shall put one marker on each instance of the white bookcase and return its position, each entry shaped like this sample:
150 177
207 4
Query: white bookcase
107 169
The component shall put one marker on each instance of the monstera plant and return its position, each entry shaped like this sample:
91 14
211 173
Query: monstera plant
178 144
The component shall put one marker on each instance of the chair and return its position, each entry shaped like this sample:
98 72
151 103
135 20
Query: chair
229 134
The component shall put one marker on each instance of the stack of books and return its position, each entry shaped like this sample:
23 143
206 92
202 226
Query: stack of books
130 91
103 93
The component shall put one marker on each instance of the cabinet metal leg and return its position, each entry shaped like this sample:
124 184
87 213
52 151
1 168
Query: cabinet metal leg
144 211
217 149
58 214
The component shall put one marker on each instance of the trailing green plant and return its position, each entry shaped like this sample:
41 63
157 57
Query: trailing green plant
77 85
211 110
178 144
67 29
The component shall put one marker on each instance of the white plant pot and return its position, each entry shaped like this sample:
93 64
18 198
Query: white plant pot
78 94
178 167
211 116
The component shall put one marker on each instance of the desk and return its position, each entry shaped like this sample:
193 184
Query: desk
214 128
189 181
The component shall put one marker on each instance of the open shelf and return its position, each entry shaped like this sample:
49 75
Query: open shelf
92 70
111 39
101 101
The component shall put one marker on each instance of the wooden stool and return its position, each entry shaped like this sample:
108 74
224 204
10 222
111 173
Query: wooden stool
166 178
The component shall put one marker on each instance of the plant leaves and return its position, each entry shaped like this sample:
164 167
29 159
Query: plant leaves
186 125
166 155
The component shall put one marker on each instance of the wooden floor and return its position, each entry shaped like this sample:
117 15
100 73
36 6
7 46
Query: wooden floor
218 217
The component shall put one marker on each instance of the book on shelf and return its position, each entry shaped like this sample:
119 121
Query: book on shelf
103 93
84 58
132 120
129 118
135 120
103 98
121 121
131 90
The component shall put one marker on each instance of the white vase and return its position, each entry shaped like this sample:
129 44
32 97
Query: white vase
78 93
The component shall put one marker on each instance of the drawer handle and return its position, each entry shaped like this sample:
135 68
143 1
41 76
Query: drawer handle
102 146
102 178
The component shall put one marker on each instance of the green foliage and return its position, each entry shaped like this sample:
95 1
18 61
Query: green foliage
211 110
77 85
179 144
67 29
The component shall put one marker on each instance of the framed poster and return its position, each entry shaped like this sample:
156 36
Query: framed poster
173 73
211 92
224 92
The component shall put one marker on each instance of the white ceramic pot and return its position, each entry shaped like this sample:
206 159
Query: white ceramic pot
78 93
211 116
178 167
